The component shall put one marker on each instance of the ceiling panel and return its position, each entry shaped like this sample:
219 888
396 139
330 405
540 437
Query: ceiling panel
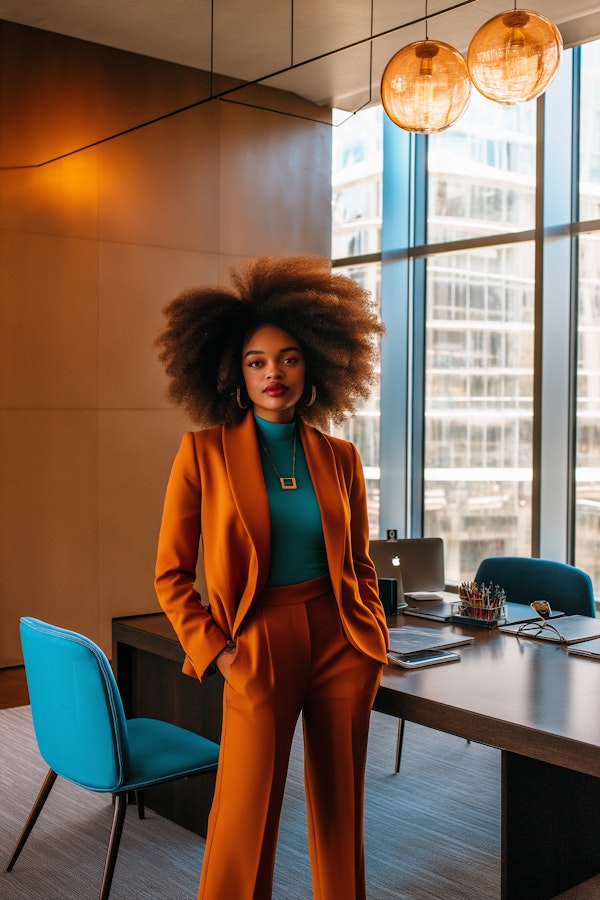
325 57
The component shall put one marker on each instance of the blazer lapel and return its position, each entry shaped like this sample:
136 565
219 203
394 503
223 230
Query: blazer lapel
325 478
244 471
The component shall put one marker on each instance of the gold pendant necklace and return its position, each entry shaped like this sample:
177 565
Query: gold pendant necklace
288 483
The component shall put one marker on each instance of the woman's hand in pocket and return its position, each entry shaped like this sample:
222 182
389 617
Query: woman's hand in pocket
225 659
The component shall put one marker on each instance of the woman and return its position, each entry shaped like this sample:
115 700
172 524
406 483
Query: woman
292 620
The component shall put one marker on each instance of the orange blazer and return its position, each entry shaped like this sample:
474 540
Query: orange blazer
216 493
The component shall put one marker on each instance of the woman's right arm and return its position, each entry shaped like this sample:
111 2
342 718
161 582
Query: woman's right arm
177 558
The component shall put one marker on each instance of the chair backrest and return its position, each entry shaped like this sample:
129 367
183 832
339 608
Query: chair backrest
524 579
76 707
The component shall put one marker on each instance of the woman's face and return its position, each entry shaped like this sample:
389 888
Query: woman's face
274 368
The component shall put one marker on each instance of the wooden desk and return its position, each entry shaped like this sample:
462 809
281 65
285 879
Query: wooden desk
147 660
541 708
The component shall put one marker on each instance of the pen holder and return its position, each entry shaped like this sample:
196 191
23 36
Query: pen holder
481 603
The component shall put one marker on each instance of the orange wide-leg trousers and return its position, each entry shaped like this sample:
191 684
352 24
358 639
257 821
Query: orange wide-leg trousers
292 657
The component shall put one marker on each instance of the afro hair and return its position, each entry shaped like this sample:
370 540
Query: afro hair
331 317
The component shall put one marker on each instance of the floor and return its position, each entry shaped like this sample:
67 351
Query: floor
13 692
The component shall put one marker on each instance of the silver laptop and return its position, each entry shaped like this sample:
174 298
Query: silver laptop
420 562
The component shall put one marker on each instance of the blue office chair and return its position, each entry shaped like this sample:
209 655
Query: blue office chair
525 579
83 736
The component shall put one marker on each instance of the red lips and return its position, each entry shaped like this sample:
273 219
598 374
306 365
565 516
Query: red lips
276 390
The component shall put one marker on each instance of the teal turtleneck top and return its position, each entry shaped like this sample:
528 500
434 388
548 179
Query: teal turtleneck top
297 542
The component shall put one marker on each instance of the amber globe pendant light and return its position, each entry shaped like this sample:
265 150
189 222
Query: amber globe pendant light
514 57
425 87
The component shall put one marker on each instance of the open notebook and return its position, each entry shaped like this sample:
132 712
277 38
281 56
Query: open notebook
591 649
407 639
566 630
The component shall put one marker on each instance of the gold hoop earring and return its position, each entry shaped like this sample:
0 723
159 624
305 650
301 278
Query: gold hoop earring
313 396
238 397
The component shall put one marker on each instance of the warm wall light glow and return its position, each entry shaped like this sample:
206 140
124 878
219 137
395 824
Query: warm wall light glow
514 57
425 87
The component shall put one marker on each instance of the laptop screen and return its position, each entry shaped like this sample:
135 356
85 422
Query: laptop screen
420 562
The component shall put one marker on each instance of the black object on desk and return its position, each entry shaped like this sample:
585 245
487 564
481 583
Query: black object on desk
388 594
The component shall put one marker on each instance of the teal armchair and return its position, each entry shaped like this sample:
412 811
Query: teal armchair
82 733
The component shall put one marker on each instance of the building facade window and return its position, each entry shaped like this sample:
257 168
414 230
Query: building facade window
479 329
456 234
357 149
587 471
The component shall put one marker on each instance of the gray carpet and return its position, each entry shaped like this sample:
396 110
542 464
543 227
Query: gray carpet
433 832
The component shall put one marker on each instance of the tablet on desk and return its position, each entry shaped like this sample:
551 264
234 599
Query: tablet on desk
419 658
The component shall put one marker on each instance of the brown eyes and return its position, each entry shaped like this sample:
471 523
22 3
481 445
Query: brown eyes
288 361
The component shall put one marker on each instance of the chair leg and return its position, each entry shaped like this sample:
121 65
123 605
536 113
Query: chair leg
140 803
120 801
33 815
399 741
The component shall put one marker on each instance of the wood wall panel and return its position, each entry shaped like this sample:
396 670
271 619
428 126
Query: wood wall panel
172 200
91 248
253 204
136 448
135 283
57 199
62 94
48 321
48 521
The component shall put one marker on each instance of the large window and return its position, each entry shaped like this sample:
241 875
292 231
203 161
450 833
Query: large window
486 262
479 404
481 173
356 184
587 493
357 172
479 337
